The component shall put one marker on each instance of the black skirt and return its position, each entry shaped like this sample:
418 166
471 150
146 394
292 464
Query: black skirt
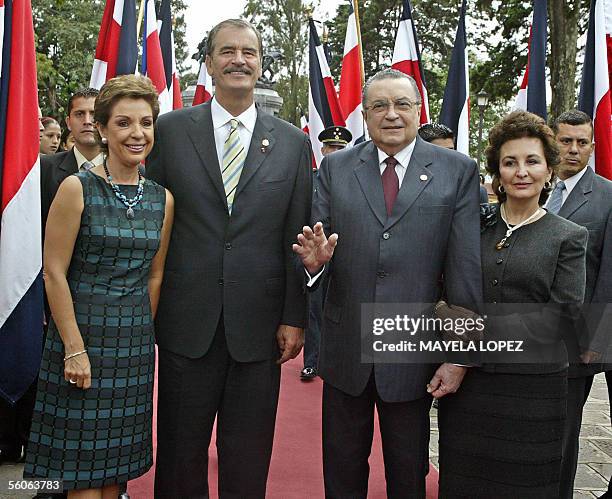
501 436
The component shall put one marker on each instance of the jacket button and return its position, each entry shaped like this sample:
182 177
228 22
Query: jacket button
220 282
381 274
494 282
386 236
228 246
499 260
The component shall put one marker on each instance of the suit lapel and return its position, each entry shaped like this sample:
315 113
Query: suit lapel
368 175
201 132
416 178
263 130
579 195
69 163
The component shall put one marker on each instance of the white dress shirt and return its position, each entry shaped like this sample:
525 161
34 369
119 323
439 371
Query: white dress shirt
221 125
80 159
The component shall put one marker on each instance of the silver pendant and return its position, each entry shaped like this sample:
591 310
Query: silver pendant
130 213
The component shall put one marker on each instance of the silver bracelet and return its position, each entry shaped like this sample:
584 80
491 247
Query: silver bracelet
74 354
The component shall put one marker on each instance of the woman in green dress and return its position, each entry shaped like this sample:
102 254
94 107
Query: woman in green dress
106 240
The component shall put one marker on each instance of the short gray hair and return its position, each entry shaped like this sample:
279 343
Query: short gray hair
389 74
231 23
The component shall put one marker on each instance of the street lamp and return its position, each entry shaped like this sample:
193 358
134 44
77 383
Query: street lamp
482 99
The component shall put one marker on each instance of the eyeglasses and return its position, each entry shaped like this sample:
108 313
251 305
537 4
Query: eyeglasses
400 105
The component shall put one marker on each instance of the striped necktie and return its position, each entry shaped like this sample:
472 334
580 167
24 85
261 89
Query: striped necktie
233 161
556 198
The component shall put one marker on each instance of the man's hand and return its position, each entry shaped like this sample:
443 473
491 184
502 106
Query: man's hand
590 357
290 342
447 380
314 248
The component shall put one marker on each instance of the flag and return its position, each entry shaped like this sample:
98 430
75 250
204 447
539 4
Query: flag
595 86
203 91
407 56
117 49
455 112
152 60
351 79
166 40
323 105
532 92
21 295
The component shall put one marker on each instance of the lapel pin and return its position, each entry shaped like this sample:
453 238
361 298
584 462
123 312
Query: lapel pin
423 178
264 145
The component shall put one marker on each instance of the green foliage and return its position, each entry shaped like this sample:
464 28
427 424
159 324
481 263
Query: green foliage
66 36
283 25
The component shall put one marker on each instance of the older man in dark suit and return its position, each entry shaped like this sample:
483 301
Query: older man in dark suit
585 198
403 213
232 305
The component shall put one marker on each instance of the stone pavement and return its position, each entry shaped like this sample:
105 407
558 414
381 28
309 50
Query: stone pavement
594 462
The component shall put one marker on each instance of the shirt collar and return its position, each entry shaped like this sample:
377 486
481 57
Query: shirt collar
402 157
221 117
80 159
571 182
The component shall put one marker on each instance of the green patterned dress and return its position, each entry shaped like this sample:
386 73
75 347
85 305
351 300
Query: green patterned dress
103 435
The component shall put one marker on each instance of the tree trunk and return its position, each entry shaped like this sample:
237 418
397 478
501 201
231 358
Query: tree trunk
563 22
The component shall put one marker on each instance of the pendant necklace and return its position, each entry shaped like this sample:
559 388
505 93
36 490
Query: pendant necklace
129 203
510 230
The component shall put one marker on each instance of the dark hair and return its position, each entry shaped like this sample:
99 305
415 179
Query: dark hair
231 23
64 138
123 87
572 117
519 125
389 74
432 131
86 93
48 120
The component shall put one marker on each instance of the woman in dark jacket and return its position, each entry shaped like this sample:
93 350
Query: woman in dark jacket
501 433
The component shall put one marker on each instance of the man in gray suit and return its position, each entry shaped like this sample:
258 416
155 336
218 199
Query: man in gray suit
585 198
403 213
232 305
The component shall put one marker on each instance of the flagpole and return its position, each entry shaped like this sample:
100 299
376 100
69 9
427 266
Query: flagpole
141 10
356 10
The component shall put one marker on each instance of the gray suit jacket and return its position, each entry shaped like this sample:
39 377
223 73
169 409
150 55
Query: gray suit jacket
433 230
590 205
240 268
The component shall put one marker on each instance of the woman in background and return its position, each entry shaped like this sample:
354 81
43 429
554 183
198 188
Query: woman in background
105 245
51 134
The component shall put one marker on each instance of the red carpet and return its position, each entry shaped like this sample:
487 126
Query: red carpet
296 471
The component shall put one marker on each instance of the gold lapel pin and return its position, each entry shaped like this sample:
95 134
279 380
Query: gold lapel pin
423 178
264 145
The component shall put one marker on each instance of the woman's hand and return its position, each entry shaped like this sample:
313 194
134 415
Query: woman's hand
77 371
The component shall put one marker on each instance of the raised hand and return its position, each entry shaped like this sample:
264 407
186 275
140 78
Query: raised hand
314 248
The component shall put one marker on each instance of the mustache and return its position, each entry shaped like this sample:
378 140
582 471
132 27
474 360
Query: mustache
237 70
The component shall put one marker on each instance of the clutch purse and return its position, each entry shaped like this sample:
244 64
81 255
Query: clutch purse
455 323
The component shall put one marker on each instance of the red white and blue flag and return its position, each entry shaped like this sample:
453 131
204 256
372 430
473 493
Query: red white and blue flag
21 291
152 61
595 86
203 91
117 49
323 105
455 112
407 56
166 40
351 79
532 92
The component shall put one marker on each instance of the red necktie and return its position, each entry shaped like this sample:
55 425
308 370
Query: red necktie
390 182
